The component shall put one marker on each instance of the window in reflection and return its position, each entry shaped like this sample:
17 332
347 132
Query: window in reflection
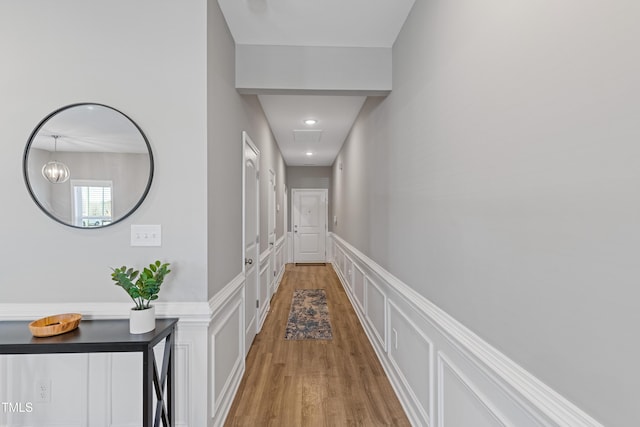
92 203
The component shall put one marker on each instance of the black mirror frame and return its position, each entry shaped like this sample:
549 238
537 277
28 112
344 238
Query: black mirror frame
26 158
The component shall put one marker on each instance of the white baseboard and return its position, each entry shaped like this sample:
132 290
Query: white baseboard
443 374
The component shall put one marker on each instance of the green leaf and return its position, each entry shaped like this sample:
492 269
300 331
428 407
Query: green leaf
143 287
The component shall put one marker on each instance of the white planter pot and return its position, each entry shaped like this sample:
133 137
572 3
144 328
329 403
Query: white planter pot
142 321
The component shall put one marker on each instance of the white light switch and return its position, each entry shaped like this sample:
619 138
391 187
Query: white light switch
146 235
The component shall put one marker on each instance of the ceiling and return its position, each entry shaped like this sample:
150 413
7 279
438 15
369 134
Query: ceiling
327 23
89 128
286 115
350 23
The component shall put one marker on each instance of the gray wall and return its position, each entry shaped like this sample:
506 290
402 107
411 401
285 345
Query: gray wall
228 115
270 159
153 70
500 180
309 177
171 72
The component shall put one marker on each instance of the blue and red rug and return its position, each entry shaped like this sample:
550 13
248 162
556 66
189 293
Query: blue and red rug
309 316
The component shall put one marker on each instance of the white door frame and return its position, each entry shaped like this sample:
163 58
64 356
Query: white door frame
326 217
272 219
285 227
250 305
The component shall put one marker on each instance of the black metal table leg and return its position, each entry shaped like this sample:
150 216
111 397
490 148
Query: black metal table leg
148 361
164 385
170 382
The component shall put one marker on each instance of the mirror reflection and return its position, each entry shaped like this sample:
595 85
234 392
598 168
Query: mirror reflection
88 165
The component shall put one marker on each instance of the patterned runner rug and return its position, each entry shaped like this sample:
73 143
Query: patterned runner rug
309 316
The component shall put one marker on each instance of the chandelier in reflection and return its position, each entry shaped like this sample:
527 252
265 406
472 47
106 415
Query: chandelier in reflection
54 171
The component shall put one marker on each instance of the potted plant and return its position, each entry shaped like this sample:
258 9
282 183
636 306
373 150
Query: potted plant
143 287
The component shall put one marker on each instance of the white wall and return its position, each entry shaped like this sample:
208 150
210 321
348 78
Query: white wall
501 175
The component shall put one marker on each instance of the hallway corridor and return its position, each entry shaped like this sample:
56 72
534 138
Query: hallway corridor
337 382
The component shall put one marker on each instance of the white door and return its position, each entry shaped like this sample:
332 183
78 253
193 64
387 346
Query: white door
309 225
251 237
272 232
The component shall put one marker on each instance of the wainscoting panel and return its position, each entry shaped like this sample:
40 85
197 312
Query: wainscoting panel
473 383
348 274
124 395
225 362
411 354
265 286
460 403
358 287
376 311
279 263
62 400
228 356
338 261
182 395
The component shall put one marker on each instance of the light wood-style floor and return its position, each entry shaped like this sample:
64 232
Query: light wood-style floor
335 382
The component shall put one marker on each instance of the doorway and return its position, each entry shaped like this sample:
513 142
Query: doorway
310 212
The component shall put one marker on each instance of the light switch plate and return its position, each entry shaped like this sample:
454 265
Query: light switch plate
146 235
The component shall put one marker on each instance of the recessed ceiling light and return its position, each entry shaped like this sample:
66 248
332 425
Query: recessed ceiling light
310 122
309 153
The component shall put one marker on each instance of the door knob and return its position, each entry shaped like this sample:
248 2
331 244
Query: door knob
248 261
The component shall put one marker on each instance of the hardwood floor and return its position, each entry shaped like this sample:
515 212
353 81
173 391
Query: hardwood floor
336 382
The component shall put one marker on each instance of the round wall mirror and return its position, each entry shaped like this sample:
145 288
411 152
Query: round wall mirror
88 165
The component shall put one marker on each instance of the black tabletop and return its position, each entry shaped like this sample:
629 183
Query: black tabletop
92 336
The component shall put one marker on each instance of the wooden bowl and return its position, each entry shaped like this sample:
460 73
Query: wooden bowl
55 325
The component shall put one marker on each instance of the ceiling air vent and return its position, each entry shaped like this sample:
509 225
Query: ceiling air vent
307 136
